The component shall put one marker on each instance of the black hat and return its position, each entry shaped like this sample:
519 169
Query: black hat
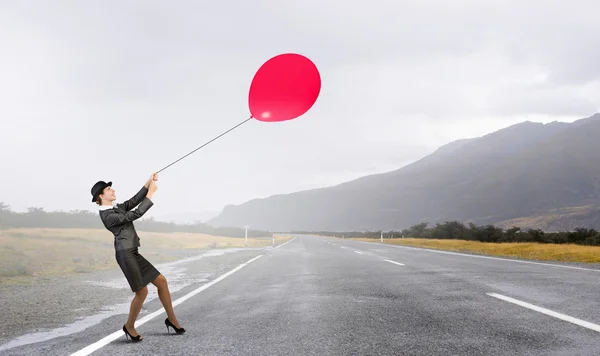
98 188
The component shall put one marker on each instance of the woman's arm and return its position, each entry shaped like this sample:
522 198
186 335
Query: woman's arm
115 218
139 196
134 201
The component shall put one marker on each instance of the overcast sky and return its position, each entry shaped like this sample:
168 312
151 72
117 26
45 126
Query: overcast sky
114 90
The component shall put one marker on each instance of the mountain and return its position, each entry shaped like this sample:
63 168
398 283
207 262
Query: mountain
524 170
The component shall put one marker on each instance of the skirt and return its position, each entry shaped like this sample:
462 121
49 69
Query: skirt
137 270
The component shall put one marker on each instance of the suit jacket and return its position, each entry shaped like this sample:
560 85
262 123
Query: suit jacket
119 219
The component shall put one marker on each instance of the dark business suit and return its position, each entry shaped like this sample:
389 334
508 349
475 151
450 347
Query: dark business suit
119 220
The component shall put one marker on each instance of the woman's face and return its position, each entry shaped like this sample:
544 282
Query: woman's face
108 194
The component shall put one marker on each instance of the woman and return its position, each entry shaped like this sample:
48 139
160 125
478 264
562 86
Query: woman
118 219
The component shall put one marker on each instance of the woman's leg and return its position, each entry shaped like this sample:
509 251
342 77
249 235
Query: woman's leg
165 298
134 309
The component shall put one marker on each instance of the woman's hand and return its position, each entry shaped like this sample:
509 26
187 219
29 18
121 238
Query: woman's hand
152 178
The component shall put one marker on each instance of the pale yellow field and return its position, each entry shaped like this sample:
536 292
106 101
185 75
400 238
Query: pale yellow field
56 252
537 251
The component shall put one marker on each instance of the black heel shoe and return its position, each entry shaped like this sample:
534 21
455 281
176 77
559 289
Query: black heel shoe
133 338
177 330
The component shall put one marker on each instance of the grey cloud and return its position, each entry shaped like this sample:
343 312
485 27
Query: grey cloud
84 82
545 99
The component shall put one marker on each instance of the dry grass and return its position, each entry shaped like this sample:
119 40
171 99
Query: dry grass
534 251
26 253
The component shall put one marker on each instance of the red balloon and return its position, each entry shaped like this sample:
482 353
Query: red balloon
284 87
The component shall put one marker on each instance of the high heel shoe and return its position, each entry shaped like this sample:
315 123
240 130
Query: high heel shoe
133 338
177 330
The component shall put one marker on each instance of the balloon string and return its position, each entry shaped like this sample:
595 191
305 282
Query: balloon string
231 129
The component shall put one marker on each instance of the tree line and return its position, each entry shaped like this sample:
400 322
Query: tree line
485 233
39 218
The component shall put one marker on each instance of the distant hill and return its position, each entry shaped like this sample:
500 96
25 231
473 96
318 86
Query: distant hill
557 220
525 170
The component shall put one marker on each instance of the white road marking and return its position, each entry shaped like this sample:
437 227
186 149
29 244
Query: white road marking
394 262
108 339
286 242
360 253
570 319
486 257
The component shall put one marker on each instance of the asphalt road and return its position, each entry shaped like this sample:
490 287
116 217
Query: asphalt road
325 296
